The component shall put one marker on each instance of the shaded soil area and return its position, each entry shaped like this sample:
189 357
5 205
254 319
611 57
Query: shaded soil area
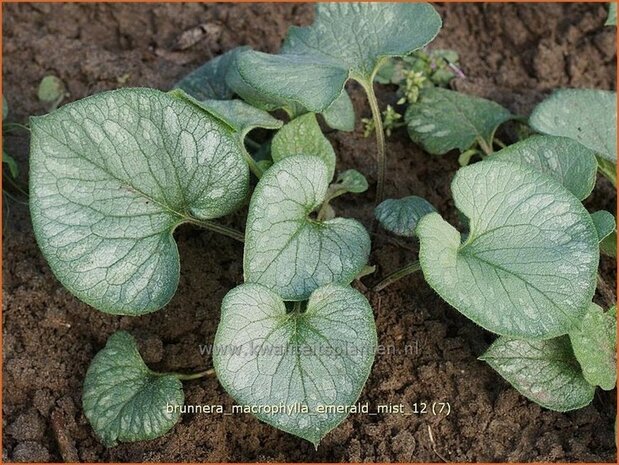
514 54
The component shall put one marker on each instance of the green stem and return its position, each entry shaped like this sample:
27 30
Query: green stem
189 377
608 170
396 275
487 149
500 143
218 228
252 143
253 166
381 159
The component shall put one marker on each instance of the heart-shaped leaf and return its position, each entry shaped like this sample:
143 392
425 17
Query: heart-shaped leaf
111 176
123 400
401 216
302 136
569 162
285 249
544 371
346 40
318 358
528 266
588 116
444 120
595 347
209 80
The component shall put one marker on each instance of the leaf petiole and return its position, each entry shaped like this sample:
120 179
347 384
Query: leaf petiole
218 228
191 376
381 159
396 275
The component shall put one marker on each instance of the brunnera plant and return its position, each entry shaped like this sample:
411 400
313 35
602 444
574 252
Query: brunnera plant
114 174
346 41
525 267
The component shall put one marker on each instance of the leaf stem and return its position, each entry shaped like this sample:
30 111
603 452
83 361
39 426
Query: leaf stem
608 170
218 228
253 166
191 376
396 275
381 159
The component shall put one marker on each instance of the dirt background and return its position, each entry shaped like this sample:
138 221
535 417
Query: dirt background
512 53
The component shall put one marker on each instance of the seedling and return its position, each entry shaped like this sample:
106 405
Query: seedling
327 54
526 268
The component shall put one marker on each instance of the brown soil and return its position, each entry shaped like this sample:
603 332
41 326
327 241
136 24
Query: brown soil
512 53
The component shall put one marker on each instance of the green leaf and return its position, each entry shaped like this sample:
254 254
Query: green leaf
595 347
350 181
340 114
318 357
302 136
51 89
588 116
209 80
545 372
123 400
242 117
608 246
288 251
111 177
528 266
401 216
612 15
346 40
444 120
237 114
570 163
605 223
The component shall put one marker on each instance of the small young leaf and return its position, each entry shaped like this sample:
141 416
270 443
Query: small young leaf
285 249
302 136
443 120
586 115
346 40
569 162
123 400
595 347
605 223
340 114
544 371
318 357
111 176
401 216
51 89
529 264
209 80
350 181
